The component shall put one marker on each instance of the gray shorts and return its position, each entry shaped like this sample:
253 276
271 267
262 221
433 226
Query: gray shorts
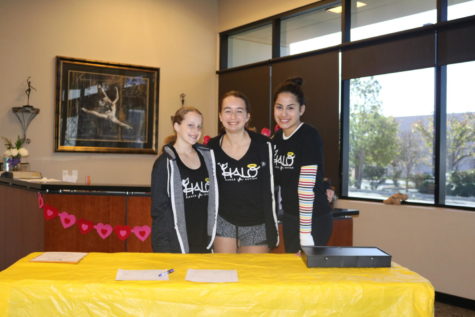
246 235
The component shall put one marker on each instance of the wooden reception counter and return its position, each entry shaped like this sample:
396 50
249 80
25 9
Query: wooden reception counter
24 229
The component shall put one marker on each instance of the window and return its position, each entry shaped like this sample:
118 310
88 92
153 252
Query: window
250 46
388 141
460 178
309 31
391 135
371 18
460 8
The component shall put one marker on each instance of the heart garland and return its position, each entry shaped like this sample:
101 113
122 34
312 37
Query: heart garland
67 220
103 230
49 212
41 201
122 232
85 226
141 232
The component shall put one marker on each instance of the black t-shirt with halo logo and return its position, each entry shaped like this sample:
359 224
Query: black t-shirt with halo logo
303 148
240 186
195 186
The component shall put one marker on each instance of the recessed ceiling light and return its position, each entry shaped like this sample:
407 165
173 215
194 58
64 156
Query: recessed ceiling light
338 9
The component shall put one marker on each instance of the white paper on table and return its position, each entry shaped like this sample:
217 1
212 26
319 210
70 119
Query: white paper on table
141 275
211 276
60 257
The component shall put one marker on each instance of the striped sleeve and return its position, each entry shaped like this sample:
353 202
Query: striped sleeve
308 175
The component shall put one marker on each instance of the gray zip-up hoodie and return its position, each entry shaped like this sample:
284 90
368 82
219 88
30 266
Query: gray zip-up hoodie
168 206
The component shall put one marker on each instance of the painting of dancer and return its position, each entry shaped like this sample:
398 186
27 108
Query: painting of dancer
104 107
110 108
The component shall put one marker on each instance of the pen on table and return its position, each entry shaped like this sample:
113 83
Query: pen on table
166 272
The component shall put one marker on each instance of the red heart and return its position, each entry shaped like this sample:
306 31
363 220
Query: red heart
85 226
49 212
266 132
122 232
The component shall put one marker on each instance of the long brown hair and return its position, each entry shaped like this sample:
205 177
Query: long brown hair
178 118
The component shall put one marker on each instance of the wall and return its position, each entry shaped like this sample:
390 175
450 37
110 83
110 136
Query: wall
178 36
435 242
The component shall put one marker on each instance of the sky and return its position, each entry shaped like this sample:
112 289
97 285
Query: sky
411 93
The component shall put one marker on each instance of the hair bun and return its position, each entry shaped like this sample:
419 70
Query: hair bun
291 85
295 80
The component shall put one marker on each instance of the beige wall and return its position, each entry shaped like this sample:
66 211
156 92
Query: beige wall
438 243
234 13
178 36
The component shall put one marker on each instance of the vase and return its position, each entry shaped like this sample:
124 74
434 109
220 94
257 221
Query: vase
5 165
12 164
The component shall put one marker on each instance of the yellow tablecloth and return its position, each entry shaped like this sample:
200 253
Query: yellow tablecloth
269 284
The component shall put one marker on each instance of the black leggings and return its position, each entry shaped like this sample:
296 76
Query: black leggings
321 231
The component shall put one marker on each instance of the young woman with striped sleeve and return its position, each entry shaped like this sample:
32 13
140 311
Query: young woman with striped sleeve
298 164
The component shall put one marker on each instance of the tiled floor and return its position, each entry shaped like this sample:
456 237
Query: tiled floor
444 310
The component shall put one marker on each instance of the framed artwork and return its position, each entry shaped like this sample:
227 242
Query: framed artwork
106 107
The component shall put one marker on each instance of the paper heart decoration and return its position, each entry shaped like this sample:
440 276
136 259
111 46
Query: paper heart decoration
67 220
41 201
49 212
85 226
103 230
266 132
141 232
122 232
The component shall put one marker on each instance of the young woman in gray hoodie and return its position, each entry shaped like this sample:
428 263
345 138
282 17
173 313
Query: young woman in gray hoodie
184 192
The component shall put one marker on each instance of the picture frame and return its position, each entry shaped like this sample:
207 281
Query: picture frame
106 107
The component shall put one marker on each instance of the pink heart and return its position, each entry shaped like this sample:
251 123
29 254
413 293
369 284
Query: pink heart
103 230
41 201
141 232
67 220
